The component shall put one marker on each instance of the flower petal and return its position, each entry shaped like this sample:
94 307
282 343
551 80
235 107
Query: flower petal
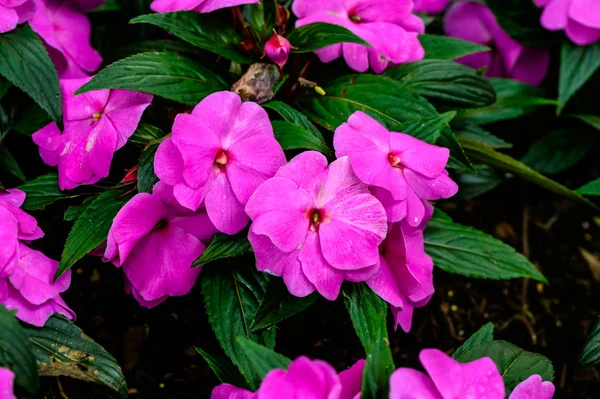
429 160
224 209
326 279
407 383
533 388
124 110
308 170
168 163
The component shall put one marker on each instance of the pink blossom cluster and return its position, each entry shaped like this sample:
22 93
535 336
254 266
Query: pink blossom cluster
446 379
26 275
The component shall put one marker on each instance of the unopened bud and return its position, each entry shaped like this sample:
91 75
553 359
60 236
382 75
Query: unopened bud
277 48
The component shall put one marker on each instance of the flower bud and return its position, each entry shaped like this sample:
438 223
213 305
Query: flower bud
277 48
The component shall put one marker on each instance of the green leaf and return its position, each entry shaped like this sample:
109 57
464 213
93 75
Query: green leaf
513 100
62 349
477 133
446 82
15 352
590 356
9 164
278 305
73 212
169 75
379 366
429 128
515 364
224 246
146 177
224 369
577 65
558 151
293 116
458 158
292 137
311 37
30 120
232 297
91 228
26 64
448 48
484 335
521 20
474 184
491 157
146 133
5 85
42 191
591 188
263 359
160 46
262 17
591 120
463 250
200 30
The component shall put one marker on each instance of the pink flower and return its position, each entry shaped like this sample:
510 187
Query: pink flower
403 170
430 6
316 226
97 124
405 275
66 31
579 18
533 388
448 379
14 12
156 241
7 378
201 6
474 22
219 154
388 26
277 48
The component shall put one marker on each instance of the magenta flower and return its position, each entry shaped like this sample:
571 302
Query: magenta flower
533 388
430 6
201 6
388 26
7 378
97 124
448 379
579 18
156 241
14 12
219 154
405 275
409 170
474 22
66 31
316 226
277 48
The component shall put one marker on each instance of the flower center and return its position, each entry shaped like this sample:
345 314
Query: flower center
161 223
394 160
355 18
97 115
221 158
317 216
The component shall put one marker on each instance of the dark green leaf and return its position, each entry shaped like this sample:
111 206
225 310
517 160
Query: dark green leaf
224 369
42 191
477 133
30 120
484 335
429 128
591 188
448 48
160 46
515 364
474 184
262 17
590 356
146 133
108 6
521 20
146 177
15 352
232 297
292 137
291 115
62 349
463 250
224 246
26 64
316 36
201 30
591 120
278 305
558 151
92 227
445 82
367 312
263 359
458 158
379 366
73 212
169 75
9 164
5 85
577 65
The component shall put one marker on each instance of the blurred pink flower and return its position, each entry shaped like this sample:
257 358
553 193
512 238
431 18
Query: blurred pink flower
533 388
388 26
448 379
579 18
430 6
156 240
7 378
316 226
14 12
66 31
405 275
97 124
403 170
277 48
474 22
219 154
201 6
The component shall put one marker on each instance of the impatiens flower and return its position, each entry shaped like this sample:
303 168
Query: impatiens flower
407 169
7 378
66 31
579 18
219 154
277 48
474 22
201 6
533 388
14 12
316 226
388 26
448 379
156 241
97 124
430 6
405 275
